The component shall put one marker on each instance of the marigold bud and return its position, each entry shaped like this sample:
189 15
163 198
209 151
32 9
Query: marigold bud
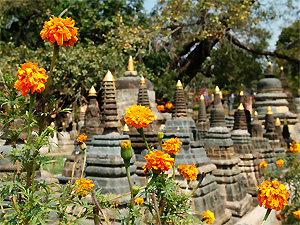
136 190
160 135
82 146
50 129
126 150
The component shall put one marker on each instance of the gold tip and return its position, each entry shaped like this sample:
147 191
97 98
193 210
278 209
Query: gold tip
281 68
255 113
82 109
179 85
108 77
212 97
201 97
241 107
130 64
277 122
270 64
155 117
142 80
52 124
63 124
217 90
126 128
241 93
92 91
269 111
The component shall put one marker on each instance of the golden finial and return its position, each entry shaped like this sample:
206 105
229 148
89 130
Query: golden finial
179 85
212 97
270 63
269 111
92 91
142 80
108 77
82 109
52 124
202 97
130 64
125 128
281 68
63 124
270 69
241 107
277 122
241 93
217 90
255 113
155 117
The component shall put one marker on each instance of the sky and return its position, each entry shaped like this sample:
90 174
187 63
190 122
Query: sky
275 28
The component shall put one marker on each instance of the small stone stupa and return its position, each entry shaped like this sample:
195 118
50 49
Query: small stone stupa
261 144
219 148
278 131
64 140
203 122
245 150
105 165
270 133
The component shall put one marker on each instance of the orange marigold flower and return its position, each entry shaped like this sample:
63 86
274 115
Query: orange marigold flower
172 146
280 162
272 195
208 216
31 78
61 31
169 105
138 116
297 214
161 108
83 186
180 168
81 138
157 160
263 164
189 172
295 147
139 201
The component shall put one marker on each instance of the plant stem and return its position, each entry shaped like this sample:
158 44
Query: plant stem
127 168
83 165
32 98
266 216
174 168
45 95
141 132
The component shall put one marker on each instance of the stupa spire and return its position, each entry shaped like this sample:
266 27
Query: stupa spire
143 98
130 68
179 109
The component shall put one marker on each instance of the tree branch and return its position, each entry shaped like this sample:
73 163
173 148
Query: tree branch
248 48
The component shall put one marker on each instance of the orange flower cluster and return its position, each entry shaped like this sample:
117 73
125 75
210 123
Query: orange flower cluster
161 108
263 164
139 201
272 195
295 147
30 78
172 146
297 214
189 172
61 31
138 116
208 216
82 138
169 105
83 186
159 161
280 162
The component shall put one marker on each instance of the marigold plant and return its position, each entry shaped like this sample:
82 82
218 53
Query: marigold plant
172 146
138 116
280 162
139 201
161 108
30 78
169 105
159 161
84 186
272 195
295 147
81 138
180 168
189 172
263 164
208 216
61 31
297 214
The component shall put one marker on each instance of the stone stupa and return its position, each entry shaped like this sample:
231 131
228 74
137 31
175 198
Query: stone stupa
270 93
219 148
242 145
105 165
203 122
